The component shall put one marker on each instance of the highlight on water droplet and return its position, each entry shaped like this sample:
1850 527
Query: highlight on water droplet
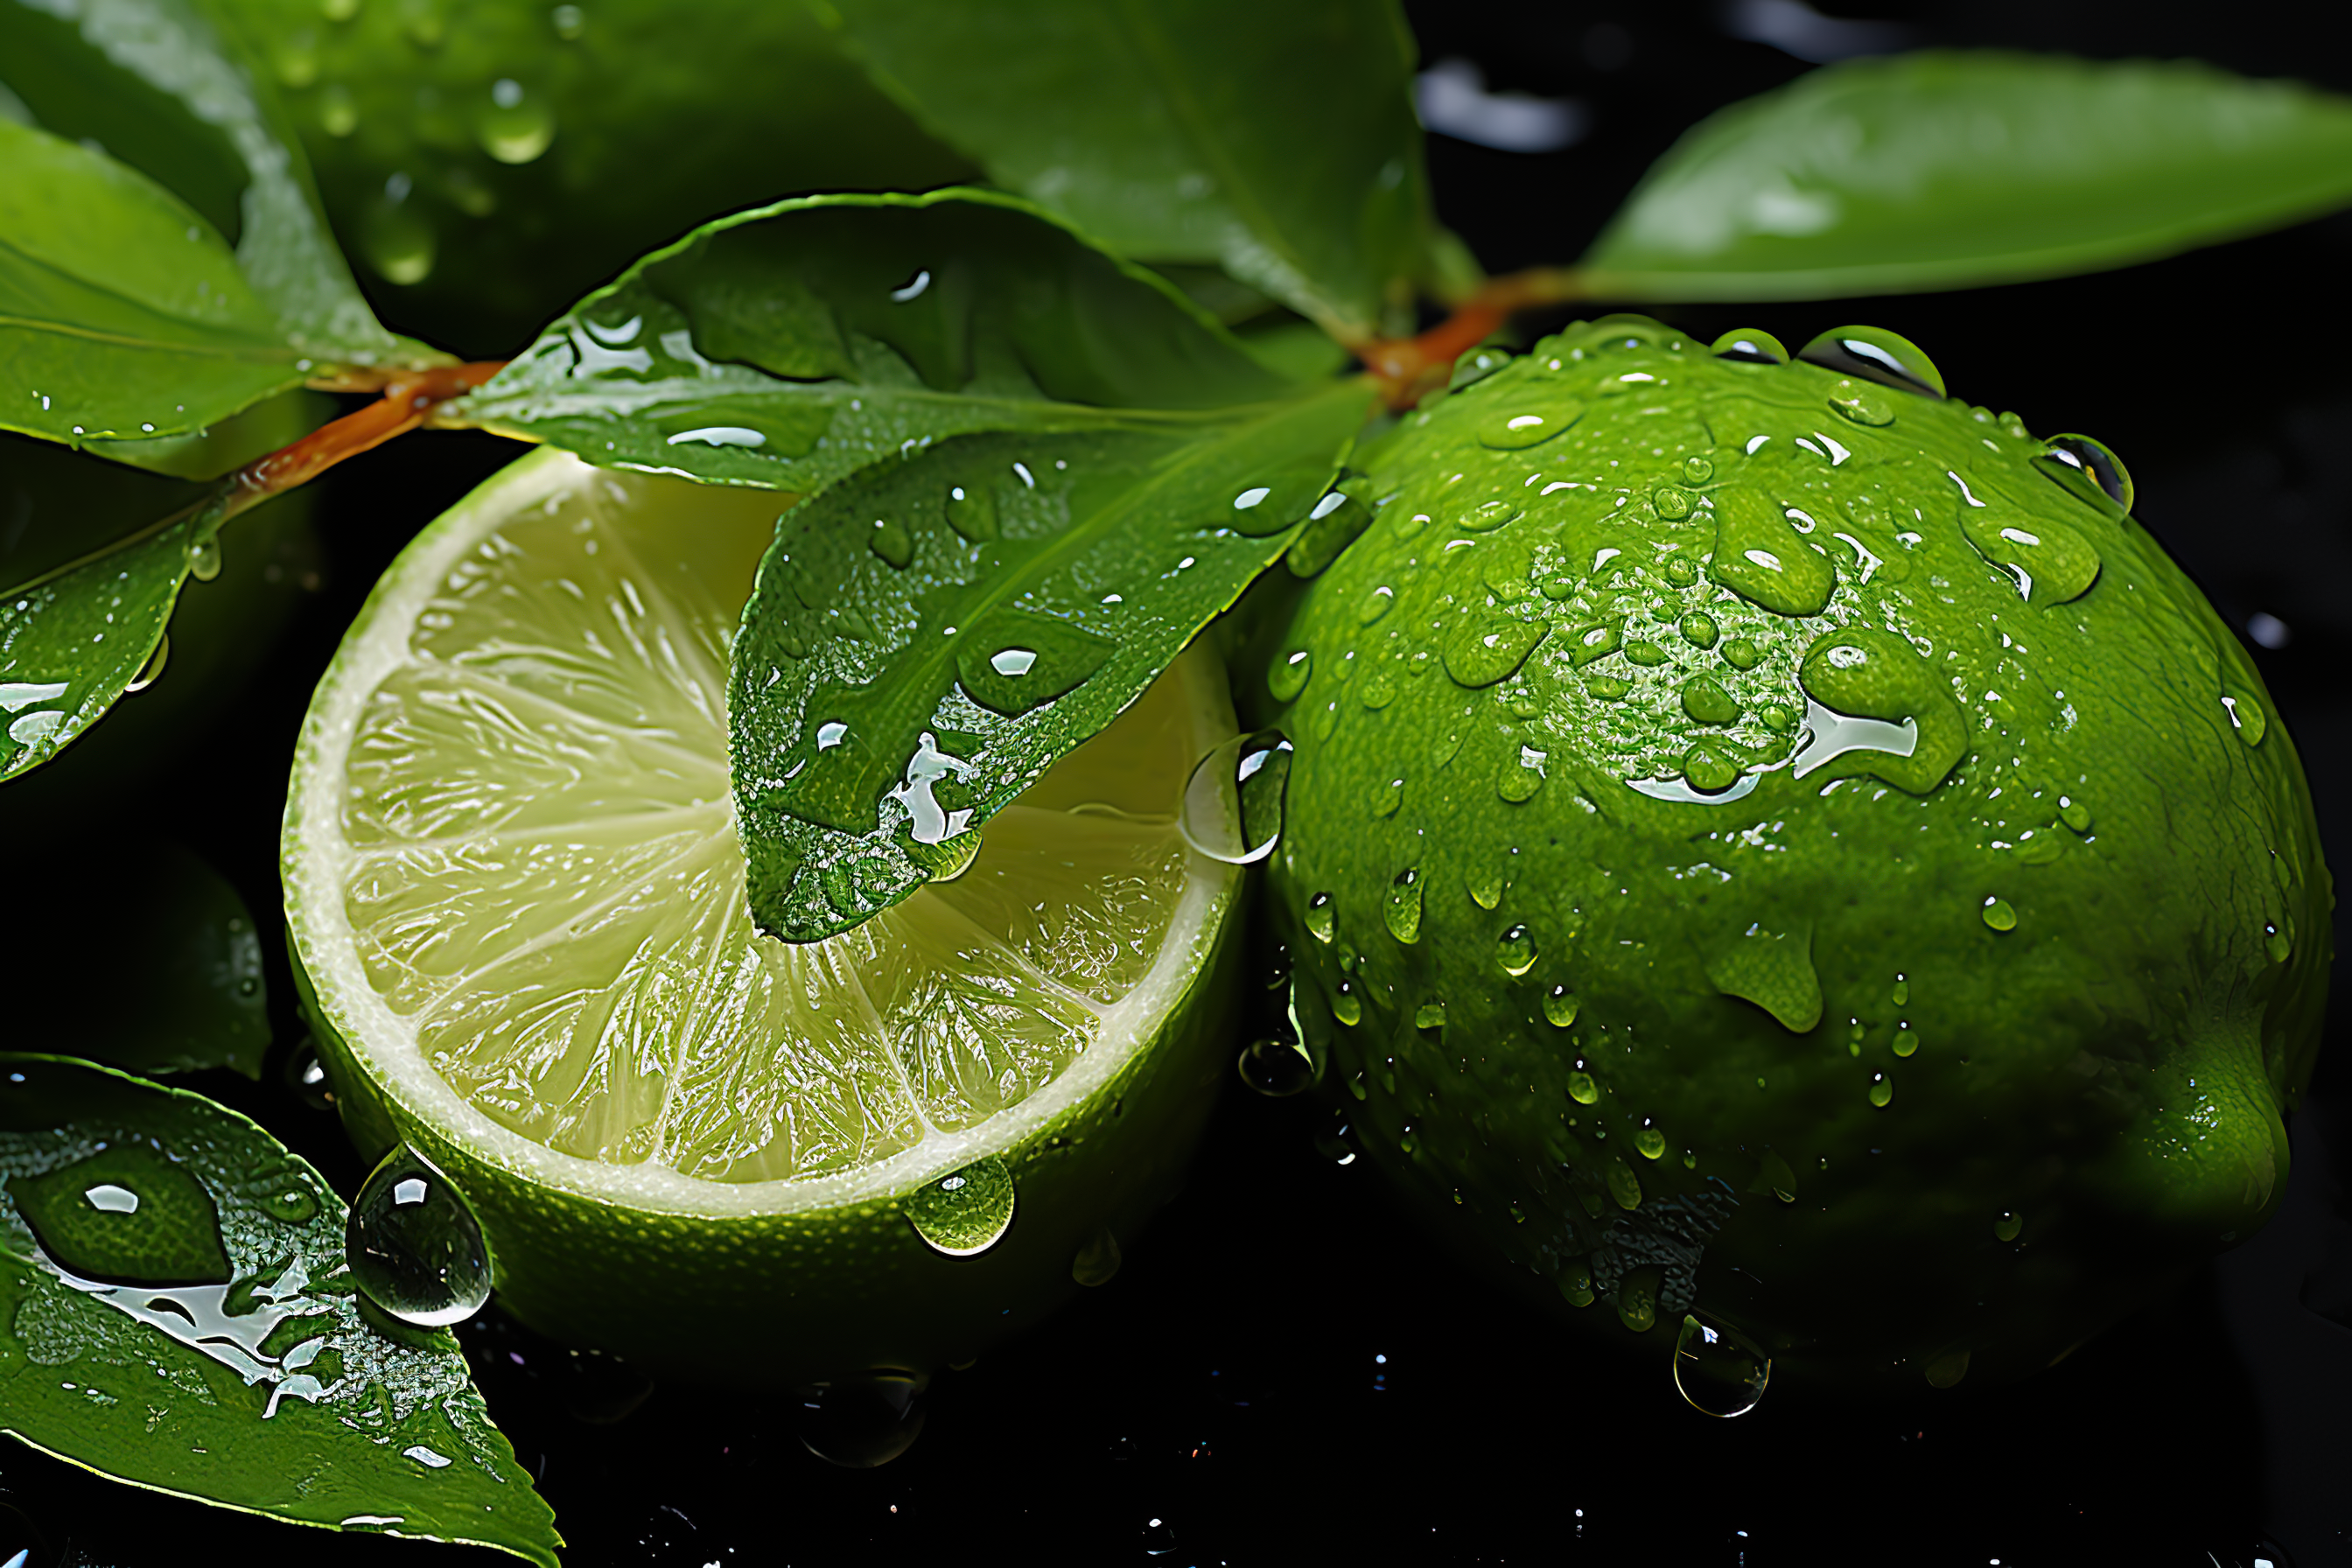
205 558
1720 1371
1286 677
1749 344
1402 910
2245 716
966 1211
1999 915
1097 1260
1877 354
415 1245
1560 1008
1234 799
1276 1068
1515 951
2007 1226
516 126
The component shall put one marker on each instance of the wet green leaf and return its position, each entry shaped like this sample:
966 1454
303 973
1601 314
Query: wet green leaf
175 1313
927 637
457 148
1278 141
791 345
72 642
1950 170
200 1000
164 262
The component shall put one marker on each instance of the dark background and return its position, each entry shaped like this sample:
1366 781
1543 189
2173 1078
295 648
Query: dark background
1223 1399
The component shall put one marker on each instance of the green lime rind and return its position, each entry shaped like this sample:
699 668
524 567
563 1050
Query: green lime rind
1908 1065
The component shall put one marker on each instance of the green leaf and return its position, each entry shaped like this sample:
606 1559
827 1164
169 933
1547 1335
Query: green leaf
199 1002
1952 170
126 310
73 642
1277 140
175 1313
789 346
927 638
455 147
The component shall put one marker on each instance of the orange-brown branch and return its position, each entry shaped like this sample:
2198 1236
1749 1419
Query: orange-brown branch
409 398
1411 368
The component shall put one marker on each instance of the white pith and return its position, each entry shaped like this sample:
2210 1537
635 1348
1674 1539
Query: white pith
316 856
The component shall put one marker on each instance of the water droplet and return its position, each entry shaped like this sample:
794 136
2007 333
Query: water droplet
1517 432
569 22
1623 1185
1575 1283
397 239
150 671
1881 1090
1491 515
1485 650
1741 654
1387 798
1233 801
1519 777
1762 557
1559 1005
205 558
1374 604
517 127
2277 943
1901 995
339 111
1346 1005
307 1077
1698 629
1773 970
339 10
892 542
1097 1260
1402 910
1875 354
1322 917
1671 504
2087 469
1429 1015
1582 1090
1719 1370
2245 717
1698 470
1999 915
1515 950
1637 1295
1378 689
1851 401
866 1420
415 1249
2008 1226
2074 814
1286 677
1706 702
967 1212
1651 1143
1947 1371
1749 344
971 512
1906 1041
1276 1068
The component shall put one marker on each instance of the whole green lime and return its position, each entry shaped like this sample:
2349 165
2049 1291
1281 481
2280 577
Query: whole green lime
1778 854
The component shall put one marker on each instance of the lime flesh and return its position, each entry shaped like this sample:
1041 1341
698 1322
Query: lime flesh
516 896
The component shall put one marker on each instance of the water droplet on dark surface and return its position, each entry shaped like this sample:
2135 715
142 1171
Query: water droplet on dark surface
414 1246
1719 1370
1276 1068
863 1420
1097 1260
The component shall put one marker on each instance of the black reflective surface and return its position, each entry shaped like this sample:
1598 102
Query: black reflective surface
1278 1372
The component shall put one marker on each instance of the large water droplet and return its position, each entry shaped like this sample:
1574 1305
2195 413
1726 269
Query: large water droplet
1429 1015
864 1420
1852 400
129 1214
1234 802
1322 917
415 1246
205 558
1515 950
892 542
1999 915
1875 354
1751 345
397 239
152 669
2074 814
2245 716
1761 558
2006 1226
1651 1143
1286 677
1773 970
1882 1089
1719 1370
971 512
1485 650
1582 1090
1517 432
2087 469
516 126
1672 505
965 1213
1276 1068
1346 1005
1402 910
1706 702
1559 1007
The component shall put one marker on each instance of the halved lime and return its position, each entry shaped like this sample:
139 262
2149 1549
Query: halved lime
515 892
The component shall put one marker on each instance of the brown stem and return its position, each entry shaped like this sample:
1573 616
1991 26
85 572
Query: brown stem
1409 369
409 398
